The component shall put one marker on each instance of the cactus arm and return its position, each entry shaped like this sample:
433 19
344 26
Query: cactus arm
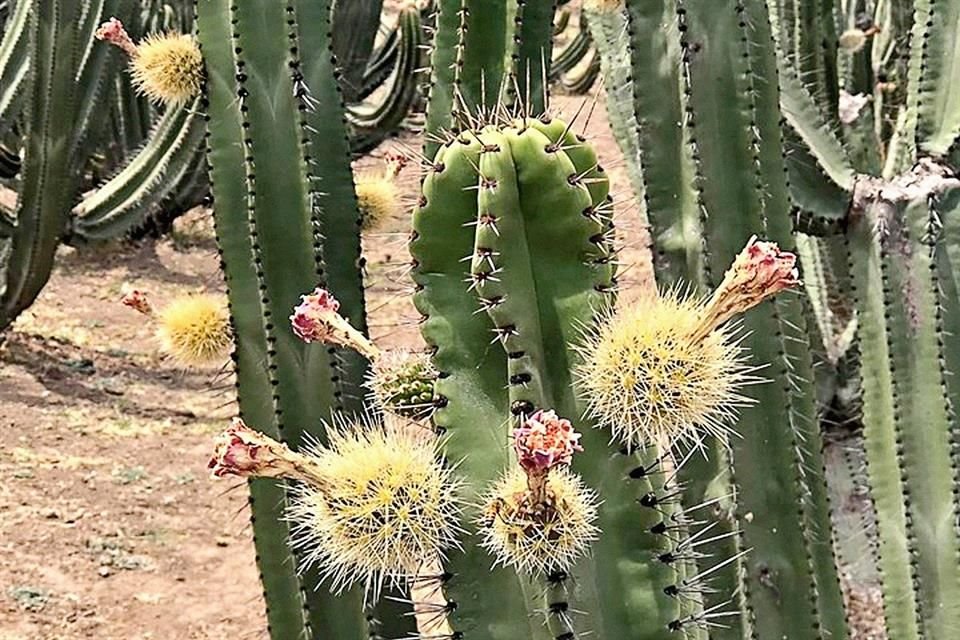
14 63
882 433
948 264
150 175
571 55
378 119
807 37
664 156
46 181
473 402
485 53
447 41
357 24
284 219
546 295
934 89
927 461
278 227
7 222
804 118
286 617
778 467
533 52
382 62
580 82
333 191
98 62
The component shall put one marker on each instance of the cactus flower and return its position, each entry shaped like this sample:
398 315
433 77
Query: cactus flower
544 441
113 31
247 453
760 271
137 300
317 319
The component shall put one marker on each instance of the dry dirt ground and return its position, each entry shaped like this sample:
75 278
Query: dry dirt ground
109 525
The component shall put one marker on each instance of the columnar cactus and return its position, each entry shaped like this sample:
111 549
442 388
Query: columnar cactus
644 472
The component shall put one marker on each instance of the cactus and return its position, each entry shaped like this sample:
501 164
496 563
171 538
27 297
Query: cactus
50 63
578 449
895 242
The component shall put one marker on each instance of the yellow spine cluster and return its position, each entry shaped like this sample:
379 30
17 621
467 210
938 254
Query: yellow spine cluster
195 330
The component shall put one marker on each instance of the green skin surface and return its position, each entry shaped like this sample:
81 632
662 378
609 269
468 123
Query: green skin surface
490 601
667 168
485 53
620 585
385 116
934 80
281 588
267 223
881 434
533 52
123 201
948 262
357 24
585 163
335 213
808 37
442 62
922 407
780 482
14 61
47 184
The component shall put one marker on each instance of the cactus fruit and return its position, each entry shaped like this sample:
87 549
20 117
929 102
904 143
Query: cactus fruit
402 382
540 518
378 197
193 330
167 68
371 506
647 378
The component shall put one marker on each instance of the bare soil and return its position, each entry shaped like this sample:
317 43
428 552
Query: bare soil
109 525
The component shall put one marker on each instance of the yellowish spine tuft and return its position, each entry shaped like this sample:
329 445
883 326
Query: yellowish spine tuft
385 506
195 331
378 197
168 68
539 536
647 377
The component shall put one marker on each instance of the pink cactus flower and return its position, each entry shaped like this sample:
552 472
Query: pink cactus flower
237 452
245 452
314 318
137 300
112 31
767 269
545 441
760 271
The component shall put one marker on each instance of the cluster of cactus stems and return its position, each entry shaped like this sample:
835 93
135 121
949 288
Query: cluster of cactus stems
141 129
565 466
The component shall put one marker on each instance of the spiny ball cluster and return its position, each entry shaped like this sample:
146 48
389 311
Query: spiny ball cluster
648 376
384 506
168 68
537 537
377 199
195 330
402 382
